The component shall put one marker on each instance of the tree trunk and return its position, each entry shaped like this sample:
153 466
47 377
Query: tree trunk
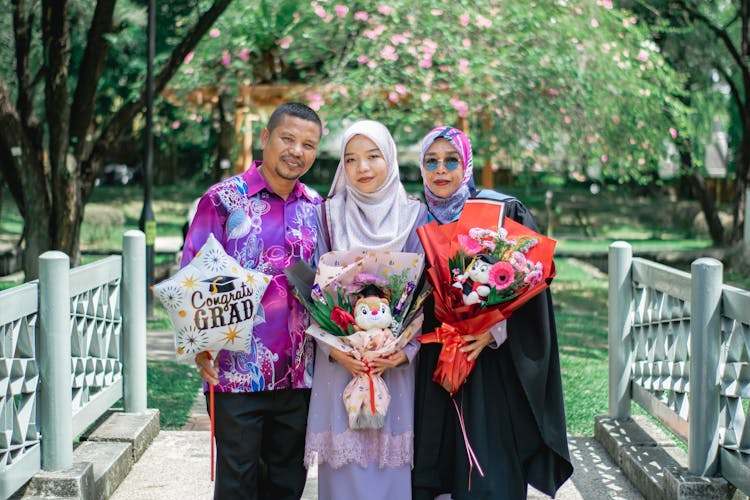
36 236
700 191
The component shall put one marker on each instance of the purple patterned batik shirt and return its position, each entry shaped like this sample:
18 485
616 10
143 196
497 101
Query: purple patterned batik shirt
262 231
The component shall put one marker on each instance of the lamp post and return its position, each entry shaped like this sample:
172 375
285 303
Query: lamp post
147 222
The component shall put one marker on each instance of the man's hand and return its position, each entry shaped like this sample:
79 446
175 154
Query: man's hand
475 344
348 361
207 370
379 365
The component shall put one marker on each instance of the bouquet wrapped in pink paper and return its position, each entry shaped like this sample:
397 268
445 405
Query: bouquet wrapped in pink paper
365 303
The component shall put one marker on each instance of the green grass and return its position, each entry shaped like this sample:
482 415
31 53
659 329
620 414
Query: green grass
160 321
580 297
172 388
574 246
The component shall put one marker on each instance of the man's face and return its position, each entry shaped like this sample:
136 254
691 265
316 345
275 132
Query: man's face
289 151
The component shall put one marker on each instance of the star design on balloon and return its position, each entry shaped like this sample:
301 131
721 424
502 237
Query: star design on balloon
189 282
231 334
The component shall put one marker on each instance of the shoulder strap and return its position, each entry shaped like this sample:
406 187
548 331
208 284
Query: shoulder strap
324 217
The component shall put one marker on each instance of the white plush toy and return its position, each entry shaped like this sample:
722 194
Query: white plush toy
473 283
372 312
366 397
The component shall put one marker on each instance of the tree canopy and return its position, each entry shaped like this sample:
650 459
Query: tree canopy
569 81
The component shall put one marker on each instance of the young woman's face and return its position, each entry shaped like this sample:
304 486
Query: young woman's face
437 159
364 164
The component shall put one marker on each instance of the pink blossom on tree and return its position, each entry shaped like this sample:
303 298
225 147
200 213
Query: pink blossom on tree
341 10
188 57
389 53
393 97
214 33
315 100
399 39
385 10
400 89
244 54
464 19
361 15
318 9
483 22
463 66
226 59
673 133
424 96
461 106
285 42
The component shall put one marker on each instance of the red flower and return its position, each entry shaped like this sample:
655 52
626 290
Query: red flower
342 318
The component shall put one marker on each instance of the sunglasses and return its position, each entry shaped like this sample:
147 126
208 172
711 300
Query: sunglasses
449 164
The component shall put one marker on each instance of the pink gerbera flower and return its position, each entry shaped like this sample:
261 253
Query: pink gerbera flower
501 275
469 245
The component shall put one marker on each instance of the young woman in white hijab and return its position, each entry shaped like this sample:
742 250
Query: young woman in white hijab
367 208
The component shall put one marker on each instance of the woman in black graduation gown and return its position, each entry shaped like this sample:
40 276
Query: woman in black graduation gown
512 401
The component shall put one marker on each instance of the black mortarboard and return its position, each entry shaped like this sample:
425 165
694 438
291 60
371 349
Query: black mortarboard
487 258
221 284
371 290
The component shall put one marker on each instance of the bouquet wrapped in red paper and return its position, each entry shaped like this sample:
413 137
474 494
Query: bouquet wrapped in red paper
364 303
483 267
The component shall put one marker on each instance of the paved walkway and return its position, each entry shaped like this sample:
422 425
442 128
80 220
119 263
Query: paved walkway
177 464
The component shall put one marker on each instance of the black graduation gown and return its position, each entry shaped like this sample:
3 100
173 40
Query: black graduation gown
512 405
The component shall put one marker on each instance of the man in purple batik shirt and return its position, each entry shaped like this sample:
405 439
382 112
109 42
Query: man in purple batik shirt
265 219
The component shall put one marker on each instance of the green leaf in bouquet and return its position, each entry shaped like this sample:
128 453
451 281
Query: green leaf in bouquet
459 261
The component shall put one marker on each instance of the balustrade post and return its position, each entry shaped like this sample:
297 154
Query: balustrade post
56 404
133 302
620 338
705 346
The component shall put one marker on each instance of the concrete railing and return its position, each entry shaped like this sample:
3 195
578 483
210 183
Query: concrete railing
71 345
679 346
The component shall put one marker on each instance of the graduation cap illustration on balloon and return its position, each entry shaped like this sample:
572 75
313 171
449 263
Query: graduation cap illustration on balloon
221 284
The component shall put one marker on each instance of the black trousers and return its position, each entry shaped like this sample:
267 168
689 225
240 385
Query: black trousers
260 443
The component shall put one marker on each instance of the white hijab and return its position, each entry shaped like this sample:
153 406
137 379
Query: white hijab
381 220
